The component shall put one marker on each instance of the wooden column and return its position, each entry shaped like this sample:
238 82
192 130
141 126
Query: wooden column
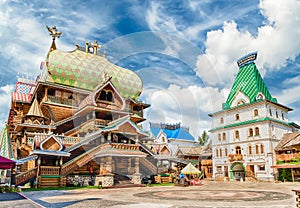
137 165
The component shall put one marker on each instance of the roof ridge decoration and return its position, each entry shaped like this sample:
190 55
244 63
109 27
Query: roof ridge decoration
248 84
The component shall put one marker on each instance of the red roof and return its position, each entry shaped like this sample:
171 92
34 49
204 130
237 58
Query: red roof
6 163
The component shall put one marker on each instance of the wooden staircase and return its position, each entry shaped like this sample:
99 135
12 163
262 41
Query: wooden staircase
25 177
147 167
82 159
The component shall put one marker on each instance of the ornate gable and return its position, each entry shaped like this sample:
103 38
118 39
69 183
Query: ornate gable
51 143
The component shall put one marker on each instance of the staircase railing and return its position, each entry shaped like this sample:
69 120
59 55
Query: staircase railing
82 159
23 177
150 166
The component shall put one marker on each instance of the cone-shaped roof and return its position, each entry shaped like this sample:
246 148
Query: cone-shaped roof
248 82
35 109
5 144
190 169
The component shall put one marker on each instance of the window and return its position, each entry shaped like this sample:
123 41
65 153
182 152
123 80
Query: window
226 152
261 167
261 149
237 134
241 102
217 153
250 132
276 114
249 150
257 149
219 169
106 96
255 112
220 152
256 131
238 150
270 112
219 137
224 136
237 117
221 120
282 115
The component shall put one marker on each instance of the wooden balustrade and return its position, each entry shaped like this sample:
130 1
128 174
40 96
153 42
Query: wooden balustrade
206 162
235 157
60 100
49 170
287 157
125 146
71 140
101 122
22 177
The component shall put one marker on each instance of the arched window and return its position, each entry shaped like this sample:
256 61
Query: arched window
224 136
241 102
256 131
276 114
221 120
282 115
250 132
257 149
249 150
217 153
238 150
109 96
270 112
261 149
220 152
102 95
237 134
226 152
255 112
219 137
237 117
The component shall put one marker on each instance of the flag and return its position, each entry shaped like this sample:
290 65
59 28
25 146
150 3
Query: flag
42 65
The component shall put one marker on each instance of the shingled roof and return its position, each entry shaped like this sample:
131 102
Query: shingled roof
288 141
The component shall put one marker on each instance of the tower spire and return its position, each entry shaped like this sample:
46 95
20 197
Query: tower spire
54 34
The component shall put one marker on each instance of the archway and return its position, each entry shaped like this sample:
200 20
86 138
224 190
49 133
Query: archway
238 171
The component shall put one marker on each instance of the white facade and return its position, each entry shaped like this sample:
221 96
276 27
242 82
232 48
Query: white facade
244 138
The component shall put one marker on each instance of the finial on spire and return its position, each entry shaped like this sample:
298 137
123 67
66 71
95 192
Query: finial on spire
54 34
249 58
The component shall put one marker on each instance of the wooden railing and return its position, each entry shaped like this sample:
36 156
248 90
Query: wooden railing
71 140
23 177
82 159
125 146
60 100
49 170
101 122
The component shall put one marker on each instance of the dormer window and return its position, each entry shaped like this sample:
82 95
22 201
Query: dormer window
260 96
106 95
241 102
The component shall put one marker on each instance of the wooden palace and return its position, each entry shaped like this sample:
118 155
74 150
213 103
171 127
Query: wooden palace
78 122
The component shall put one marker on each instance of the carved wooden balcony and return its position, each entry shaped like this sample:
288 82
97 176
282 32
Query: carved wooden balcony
235 157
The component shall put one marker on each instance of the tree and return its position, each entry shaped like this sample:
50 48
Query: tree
203 139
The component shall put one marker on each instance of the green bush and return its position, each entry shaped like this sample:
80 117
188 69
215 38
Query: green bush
284 173
9 189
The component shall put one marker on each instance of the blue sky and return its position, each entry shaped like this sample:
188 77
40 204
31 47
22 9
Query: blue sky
184 51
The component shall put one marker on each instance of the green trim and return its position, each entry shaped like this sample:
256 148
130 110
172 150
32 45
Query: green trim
50 176
250 122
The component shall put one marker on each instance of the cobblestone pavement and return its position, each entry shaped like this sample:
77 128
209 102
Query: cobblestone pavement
210 194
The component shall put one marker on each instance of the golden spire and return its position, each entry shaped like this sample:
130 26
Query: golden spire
54 34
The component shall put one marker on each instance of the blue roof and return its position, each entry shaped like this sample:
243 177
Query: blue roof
178 133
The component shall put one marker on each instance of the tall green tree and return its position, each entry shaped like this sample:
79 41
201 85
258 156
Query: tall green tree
203 139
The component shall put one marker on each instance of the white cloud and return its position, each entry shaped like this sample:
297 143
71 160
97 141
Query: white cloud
190 106
276 42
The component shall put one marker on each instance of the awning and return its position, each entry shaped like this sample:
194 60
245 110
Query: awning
6 163
190 169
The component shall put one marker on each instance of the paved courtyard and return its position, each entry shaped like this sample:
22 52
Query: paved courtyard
210 194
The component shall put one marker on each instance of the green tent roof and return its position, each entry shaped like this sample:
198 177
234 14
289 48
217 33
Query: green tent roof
5 144
250 83
86 71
